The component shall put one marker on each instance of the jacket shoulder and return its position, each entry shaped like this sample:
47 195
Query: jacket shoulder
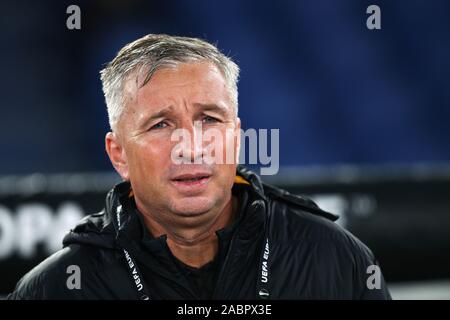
300 227
298 219
297 201
60 276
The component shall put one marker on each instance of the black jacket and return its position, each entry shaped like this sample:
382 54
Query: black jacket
281 246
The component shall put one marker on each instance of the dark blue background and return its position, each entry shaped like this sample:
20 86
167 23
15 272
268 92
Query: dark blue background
338 92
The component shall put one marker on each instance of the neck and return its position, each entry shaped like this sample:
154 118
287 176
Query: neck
195 244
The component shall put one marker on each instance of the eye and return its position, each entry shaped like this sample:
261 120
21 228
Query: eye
159 125
209 119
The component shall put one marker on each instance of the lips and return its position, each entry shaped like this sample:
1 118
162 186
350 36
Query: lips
191 183
189 177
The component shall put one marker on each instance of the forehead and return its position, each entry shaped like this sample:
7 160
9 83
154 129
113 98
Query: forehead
185 83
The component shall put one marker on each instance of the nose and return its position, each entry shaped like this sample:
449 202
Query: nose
190 148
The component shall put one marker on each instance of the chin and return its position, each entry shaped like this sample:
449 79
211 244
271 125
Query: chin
192 206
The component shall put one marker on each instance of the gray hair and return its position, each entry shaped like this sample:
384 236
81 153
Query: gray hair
153 52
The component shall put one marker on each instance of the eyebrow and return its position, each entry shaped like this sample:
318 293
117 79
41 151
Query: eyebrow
157 115
164 112
212 107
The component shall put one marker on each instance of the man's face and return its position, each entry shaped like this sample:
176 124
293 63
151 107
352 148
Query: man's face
141 150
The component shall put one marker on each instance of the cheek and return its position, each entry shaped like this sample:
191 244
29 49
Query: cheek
230 155
150 157
231 147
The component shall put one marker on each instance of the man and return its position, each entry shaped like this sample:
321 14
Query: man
179 227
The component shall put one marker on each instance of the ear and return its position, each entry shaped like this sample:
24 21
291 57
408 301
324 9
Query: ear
117 155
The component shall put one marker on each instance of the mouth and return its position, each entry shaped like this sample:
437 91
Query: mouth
191 181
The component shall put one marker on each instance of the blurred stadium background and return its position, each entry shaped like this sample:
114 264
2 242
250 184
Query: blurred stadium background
363 117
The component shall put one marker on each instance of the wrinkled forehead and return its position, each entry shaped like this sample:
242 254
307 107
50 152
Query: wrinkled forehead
144 76
193 83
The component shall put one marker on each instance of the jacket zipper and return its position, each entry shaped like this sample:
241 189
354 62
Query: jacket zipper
225 264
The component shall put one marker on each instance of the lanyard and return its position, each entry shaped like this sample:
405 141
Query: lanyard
135 274
264 272
263 290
